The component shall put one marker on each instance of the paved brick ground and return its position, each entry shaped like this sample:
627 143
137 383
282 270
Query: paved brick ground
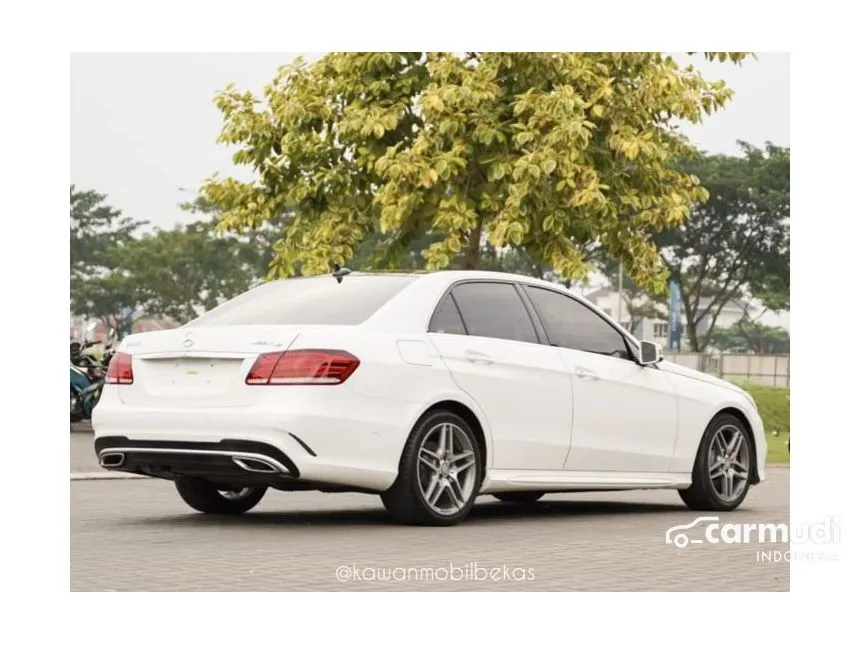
82 457
138 535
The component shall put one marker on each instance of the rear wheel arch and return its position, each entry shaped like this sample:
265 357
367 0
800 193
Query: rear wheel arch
451 468
742 418
469 417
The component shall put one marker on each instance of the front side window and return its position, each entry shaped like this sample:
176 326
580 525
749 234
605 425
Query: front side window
571 324
494 310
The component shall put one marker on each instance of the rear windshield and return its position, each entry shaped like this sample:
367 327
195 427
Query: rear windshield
307 301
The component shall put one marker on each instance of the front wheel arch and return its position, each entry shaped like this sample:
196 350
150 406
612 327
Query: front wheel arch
740 416
702 494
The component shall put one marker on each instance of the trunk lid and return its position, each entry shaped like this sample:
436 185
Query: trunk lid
200 367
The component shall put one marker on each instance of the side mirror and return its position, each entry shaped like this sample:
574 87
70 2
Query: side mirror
649 353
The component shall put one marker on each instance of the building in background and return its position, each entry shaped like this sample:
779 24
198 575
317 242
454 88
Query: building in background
654 325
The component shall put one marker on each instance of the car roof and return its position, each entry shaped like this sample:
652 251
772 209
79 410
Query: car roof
443 275
448 277
455 275
407 309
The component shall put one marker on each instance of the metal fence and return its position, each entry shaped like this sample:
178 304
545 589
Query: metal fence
773 370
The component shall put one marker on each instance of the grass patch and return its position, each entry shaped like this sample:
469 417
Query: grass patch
773 406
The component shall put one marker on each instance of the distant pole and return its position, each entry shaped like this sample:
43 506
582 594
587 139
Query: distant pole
620 283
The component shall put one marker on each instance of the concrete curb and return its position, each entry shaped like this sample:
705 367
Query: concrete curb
104 475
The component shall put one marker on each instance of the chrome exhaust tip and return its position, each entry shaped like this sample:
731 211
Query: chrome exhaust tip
254 465
111 459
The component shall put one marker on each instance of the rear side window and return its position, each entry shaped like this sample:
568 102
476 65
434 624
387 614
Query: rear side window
446 319
495 310
307 301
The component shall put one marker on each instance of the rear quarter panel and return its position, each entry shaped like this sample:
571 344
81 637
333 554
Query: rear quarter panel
395 369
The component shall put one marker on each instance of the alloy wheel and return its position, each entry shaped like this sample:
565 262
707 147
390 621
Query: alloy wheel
729 463
447 468
235 494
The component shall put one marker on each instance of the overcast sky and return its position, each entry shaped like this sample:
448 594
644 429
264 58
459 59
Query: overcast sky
143 126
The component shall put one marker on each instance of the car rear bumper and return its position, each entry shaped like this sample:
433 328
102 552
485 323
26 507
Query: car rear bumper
354 445
234 462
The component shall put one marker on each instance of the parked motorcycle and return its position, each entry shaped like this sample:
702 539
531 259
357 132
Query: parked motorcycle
76 407
88 366
89 355
83 393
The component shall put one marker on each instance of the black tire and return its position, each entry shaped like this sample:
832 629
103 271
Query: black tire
702 495
519 497
76 412
404 500
204 496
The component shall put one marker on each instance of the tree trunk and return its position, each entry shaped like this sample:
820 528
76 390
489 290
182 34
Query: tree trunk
693 338
473 251
692 335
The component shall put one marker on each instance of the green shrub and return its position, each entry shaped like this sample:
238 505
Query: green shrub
773 406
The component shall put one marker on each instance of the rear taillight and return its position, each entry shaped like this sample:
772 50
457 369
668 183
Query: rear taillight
302 367
119 370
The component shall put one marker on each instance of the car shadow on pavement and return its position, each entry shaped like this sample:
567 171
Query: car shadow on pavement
483 513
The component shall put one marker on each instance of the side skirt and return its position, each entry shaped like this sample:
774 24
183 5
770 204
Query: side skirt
498 481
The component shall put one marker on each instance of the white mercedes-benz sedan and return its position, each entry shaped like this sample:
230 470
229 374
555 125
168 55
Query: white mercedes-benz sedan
426 389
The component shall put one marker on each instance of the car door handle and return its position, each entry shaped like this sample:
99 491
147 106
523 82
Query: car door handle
478 357
581 372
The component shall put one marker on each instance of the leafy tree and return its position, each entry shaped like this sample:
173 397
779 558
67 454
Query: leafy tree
512 260
736 244
97 235
509 260
640 303
177 272
259 245
103 297
95 229
751 336
373 246
542 152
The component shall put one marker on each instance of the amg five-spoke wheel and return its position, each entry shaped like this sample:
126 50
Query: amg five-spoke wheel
446 468
440 472
721 472
729 462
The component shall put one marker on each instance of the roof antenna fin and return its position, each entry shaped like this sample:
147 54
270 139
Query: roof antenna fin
339 272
